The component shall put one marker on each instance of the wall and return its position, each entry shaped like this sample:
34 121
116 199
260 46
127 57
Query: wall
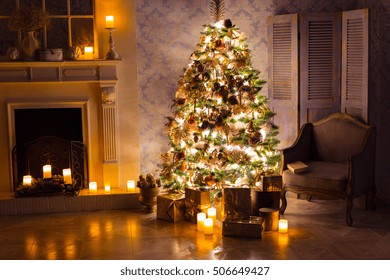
168 31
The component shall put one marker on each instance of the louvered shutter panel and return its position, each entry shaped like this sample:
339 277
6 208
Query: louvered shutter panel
354 90
319 65
283 75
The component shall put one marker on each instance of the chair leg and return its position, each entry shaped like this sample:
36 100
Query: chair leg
349 204
284 201
370 202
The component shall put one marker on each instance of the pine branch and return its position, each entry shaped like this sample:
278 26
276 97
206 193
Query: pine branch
217 9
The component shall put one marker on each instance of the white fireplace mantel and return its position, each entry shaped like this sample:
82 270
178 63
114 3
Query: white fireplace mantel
61 71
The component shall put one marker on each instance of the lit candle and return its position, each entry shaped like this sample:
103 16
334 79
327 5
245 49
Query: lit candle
208 226
92 187
67 176
283 226
212 213
200 218
27 180
130 185
110 22
107 187
88 53
46 171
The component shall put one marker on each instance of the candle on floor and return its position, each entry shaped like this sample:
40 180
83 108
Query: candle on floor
67 176
107 187
212 213
92 187
130 185
27 179
46 171
283 226
110 22
200 217
208 226
88 53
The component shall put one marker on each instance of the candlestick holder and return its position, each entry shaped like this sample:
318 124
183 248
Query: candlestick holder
112 54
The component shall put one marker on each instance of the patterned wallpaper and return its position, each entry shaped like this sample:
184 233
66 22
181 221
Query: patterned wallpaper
168 31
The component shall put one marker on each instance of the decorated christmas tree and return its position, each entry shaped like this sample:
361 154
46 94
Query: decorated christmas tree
221 131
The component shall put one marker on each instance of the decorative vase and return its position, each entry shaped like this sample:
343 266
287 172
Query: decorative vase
148 198
30 44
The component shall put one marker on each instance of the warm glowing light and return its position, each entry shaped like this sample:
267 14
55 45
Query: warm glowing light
27 179
218 24
92 187
130 185
107 187
88 53
283 226
212 213
47 171
200 218
208 226
110 22
67 176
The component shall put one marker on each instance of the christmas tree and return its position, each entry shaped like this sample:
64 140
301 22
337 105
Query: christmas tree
221 131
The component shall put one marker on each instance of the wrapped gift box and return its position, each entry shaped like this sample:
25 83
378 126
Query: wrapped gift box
236 203
171 207
260 199
250 228
196 200
271 183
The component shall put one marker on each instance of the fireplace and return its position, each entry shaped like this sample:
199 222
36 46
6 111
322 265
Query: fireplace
85 89
49 136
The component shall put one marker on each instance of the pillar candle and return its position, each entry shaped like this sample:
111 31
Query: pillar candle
110 22
212 213
92 187
200 217
107 187
88 53
46 171
208 226
130 185
27 179
67 176
283 226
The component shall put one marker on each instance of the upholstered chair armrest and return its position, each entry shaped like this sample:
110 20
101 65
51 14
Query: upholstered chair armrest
300 149
361 167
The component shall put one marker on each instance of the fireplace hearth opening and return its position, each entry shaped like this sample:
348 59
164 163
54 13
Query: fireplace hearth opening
49 136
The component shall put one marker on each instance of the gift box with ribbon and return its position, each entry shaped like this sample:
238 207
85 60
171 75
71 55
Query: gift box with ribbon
196 201
249 228
171 207
236 203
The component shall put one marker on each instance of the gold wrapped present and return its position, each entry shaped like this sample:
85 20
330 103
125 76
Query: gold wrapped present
271 183
171 207
236 203
250 228
196 201
260 199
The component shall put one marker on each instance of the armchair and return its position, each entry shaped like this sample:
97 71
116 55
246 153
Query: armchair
340 153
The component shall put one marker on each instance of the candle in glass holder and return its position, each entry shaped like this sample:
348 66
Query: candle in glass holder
107 187
283 226
27 179
130 185
208 226
92 187
88 53
200 217
47 171
67 176
212 213
110 22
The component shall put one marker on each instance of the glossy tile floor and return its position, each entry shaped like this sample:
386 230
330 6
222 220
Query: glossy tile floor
316 231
